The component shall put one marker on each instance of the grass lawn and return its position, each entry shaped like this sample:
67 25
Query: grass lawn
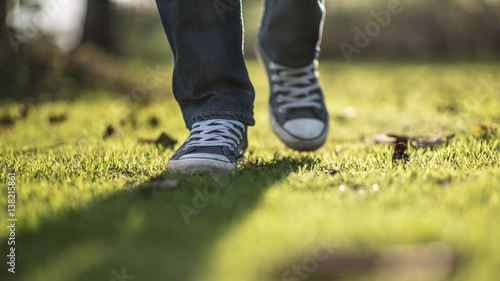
83 214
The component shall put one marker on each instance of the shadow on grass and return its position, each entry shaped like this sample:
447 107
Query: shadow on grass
167 235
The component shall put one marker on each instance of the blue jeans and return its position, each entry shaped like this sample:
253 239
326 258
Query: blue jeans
210 79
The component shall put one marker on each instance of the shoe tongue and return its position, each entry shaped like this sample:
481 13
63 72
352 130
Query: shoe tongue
209 149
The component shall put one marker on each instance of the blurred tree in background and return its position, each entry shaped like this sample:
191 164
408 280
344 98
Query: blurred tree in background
3 15
35 69
426 29
99 25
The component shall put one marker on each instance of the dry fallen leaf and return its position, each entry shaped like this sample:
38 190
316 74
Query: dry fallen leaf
336 170
6 122
484 129
399 153
387 138
416 141
451 108
153 122
424 142
110 131
163 140
58 118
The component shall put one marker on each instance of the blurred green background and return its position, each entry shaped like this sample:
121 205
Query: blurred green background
426 29
125 34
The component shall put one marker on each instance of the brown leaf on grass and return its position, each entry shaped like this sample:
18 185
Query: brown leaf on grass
58 118
426 261
423 142
6 122
484 129
336 170
153 122
399 153
110 131
387 138
163 140
451 108
416 141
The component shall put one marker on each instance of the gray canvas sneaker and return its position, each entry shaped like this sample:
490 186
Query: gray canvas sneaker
212 146
297 108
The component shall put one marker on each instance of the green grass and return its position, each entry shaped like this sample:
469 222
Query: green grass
78 219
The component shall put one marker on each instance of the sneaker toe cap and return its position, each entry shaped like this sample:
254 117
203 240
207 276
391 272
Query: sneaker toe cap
205 156
305 128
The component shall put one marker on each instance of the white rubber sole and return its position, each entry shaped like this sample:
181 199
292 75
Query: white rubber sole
294 142
199 165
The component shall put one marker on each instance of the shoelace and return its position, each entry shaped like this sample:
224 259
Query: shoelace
216 132
297 84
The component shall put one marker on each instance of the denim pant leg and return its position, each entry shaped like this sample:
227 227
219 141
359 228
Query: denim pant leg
290 31
210 79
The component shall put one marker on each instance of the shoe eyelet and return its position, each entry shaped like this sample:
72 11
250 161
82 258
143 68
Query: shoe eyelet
231 148
281 110
279 99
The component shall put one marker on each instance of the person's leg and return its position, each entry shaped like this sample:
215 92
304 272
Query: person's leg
288 45
291 31
210 82
210 79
